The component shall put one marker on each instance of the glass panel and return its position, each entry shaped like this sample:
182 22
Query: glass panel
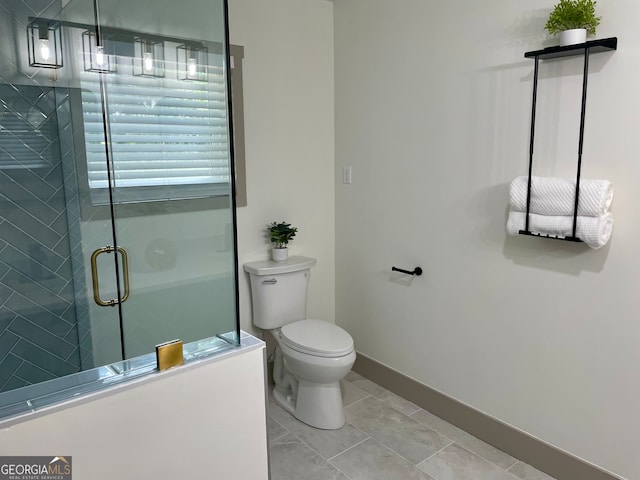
168 150
49 323
95 227
161 156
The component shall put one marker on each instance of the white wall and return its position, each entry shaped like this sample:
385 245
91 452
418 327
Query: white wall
432 111
289 131
207 417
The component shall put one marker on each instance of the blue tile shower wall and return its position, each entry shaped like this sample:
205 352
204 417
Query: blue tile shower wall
68 131
39 334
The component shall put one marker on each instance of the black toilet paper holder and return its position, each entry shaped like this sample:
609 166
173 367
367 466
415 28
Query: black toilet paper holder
416 271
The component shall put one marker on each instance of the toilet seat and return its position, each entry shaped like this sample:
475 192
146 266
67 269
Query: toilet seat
317 337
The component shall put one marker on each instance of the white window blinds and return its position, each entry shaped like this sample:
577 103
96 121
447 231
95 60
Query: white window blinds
168 137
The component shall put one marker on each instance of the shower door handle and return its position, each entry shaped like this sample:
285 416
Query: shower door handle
94 276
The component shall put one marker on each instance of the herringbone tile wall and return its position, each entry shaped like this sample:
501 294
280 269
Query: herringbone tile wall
38 328
39 337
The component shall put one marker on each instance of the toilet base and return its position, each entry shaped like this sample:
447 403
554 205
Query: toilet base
317 404
284 399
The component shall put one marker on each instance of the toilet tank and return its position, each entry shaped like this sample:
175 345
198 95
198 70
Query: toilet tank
279 291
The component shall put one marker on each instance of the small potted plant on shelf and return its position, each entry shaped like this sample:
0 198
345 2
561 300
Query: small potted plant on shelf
281 234
573 20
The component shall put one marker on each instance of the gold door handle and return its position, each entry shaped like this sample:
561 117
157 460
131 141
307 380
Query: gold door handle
94 276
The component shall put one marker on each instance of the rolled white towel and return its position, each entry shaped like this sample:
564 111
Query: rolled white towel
594 231
556 196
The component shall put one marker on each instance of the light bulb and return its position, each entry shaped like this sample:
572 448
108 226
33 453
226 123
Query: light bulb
45 51
192 67
100 55
148 62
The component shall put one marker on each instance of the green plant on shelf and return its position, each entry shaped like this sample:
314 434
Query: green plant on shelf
571 14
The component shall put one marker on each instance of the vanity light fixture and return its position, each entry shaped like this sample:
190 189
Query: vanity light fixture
192 62
44 41
148 60
96 58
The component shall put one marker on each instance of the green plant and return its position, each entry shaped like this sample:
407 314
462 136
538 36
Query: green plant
281 233
570 14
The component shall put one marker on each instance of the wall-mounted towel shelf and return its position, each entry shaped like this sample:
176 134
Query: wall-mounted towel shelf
553 237
594 46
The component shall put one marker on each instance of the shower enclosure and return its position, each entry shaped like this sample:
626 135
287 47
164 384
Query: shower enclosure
116 183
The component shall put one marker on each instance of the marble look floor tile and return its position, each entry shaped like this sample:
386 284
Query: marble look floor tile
327 443
400 433
372 461
385 396
527 472
392 400
364 383
465 439
274 429
457 463
351 393
293 460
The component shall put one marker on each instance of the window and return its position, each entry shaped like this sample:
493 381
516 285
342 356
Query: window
168 137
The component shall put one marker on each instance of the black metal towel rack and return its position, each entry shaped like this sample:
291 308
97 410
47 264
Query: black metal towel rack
594 46
416 271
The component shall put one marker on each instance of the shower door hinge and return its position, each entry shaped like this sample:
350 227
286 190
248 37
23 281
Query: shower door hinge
169 354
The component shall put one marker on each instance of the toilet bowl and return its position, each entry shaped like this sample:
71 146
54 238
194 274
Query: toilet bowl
312 355
317 368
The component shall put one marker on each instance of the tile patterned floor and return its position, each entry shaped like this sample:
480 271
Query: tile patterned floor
385 438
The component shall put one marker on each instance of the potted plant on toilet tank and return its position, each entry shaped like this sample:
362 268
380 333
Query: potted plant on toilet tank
280 235
573 20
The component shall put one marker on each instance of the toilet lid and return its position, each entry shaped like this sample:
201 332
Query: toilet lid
317 337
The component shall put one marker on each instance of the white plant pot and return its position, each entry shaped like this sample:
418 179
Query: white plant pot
572 37
279 254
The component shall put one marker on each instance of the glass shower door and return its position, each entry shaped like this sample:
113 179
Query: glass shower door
166 125
116 196
92 231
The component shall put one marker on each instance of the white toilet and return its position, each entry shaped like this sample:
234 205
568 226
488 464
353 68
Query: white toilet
312 356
